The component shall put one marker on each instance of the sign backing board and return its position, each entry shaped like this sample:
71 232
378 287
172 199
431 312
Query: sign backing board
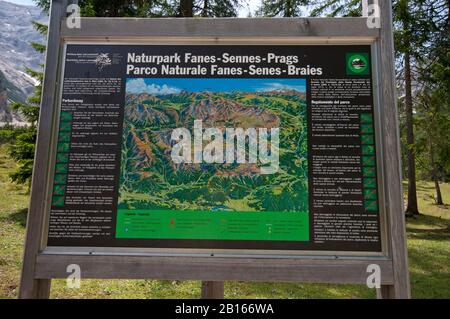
243 147
130 246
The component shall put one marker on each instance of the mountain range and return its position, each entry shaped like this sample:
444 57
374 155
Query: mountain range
150 179
16 54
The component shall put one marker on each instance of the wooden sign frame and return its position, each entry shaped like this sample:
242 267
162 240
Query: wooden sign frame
41 265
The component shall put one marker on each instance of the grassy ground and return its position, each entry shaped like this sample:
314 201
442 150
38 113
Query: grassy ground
428 247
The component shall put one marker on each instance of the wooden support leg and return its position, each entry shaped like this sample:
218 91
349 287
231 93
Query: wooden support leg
386 292
35 288
40 195
393 189
212 289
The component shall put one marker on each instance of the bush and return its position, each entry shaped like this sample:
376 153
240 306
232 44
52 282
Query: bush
8 134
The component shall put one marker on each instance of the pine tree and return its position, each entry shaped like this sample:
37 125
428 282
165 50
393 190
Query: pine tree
22 151
433 124
207 8
126 8
404 43
418 30
335 8
186 8
282 8
413 35
156 8
433 111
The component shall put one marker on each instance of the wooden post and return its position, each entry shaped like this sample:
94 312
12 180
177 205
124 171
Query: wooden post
29 286
392 162
212 289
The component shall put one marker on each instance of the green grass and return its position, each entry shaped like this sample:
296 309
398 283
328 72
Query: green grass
428 247
429 244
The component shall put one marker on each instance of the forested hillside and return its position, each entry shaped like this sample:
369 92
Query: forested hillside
161 184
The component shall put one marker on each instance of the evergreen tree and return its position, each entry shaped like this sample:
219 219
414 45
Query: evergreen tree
207 8
155 8
404 42
282 8
336 8
119 8
433 123
419 29
414 33
433 110
126 8
22 151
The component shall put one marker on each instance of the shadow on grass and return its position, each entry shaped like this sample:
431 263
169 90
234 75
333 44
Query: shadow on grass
438 234
425 188
19 217
428 256
427 219
428 228
420 186
296 290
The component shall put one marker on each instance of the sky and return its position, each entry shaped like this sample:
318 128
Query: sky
25 2
161 86
251 5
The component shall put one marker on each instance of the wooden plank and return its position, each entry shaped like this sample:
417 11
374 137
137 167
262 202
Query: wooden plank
323 270
392 161
386 292
29 286
224 27
213 289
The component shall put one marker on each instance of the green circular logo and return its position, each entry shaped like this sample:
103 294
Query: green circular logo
357 63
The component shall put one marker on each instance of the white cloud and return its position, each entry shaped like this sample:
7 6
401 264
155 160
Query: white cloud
280 87
138 86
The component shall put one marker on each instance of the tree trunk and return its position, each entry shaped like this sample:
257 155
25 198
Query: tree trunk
187 8
434 174
288 12
212 289
412 207
205 9
439 200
